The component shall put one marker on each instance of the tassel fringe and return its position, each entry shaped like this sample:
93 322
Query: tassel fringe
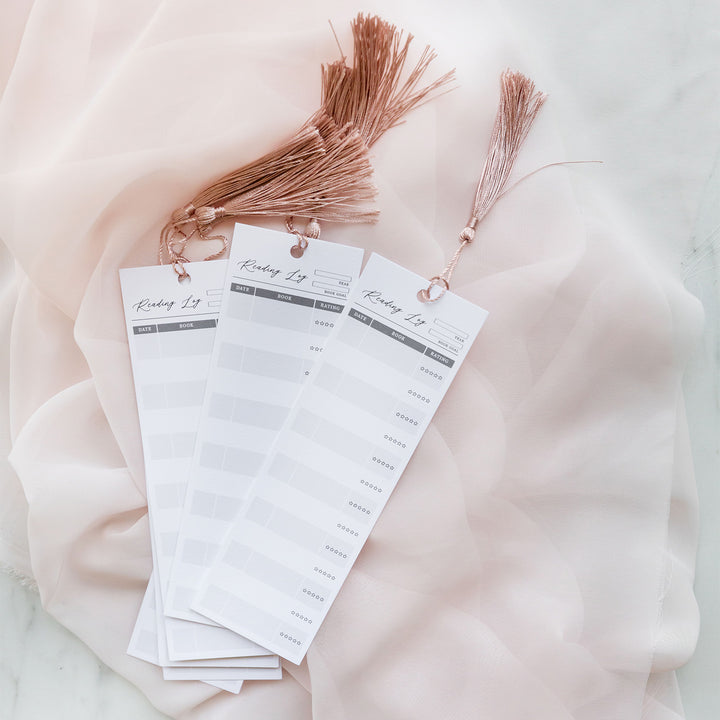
323 172
519 105
371 95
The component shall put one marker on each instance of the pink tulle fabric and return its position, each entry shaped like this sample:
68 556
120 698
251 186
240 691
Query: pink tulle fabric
536 558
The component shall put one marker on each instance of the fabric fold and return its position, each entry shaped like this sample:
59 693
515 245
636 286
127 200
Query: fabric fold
536 559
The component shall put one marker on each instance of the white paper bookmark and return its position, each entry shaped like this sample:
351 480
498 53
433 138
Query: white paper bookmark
144 641
277 311
207 668
347 440
171 330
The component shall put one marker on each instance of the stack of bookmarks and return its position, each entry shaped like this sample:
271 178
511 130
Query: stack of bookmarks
282 392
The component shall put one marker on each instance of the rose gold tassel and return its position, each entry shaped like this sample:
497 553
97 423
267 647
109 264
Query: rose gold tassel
518 108
328 187
323 172
371 95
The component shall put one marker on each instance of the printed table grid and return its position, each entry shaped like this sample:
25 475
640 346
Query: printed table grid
359 419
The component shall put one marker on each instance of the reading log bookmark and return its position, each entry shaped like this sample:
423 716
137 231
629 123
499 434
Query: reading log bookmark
277 310
171 329
322 172
346 443
144 642
352 431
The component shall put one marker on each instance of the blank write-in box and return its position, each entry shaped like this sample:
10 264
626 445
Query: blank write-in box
168 543
265 622
167 495
239 306
275 574
231 356
239 461
160 446
197 552
212 456
183 444
154 397
355 391
331 436
236 555
243 411
221 406
212 505
259 414
184 394
340 278
272 573
308 481
174 344
287 316
322 488
242 462
293 528
147 347
394 354
263 363
352 333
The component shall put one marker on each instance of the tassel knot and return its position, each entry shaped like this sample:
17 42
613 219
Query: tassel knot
467 235
312 229
208 215
183 214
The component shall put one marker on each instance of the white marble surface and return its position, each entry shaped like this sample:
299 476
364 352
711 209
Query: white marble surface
700 678
655 64
46 673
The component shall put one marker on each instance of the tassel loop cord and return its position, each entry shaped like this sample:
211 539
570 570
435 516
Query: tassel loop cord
442 281
312 232
519 105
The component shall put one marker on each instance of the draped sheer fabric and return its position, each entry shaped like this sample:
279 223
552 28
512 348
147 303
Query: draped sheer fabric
536 558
